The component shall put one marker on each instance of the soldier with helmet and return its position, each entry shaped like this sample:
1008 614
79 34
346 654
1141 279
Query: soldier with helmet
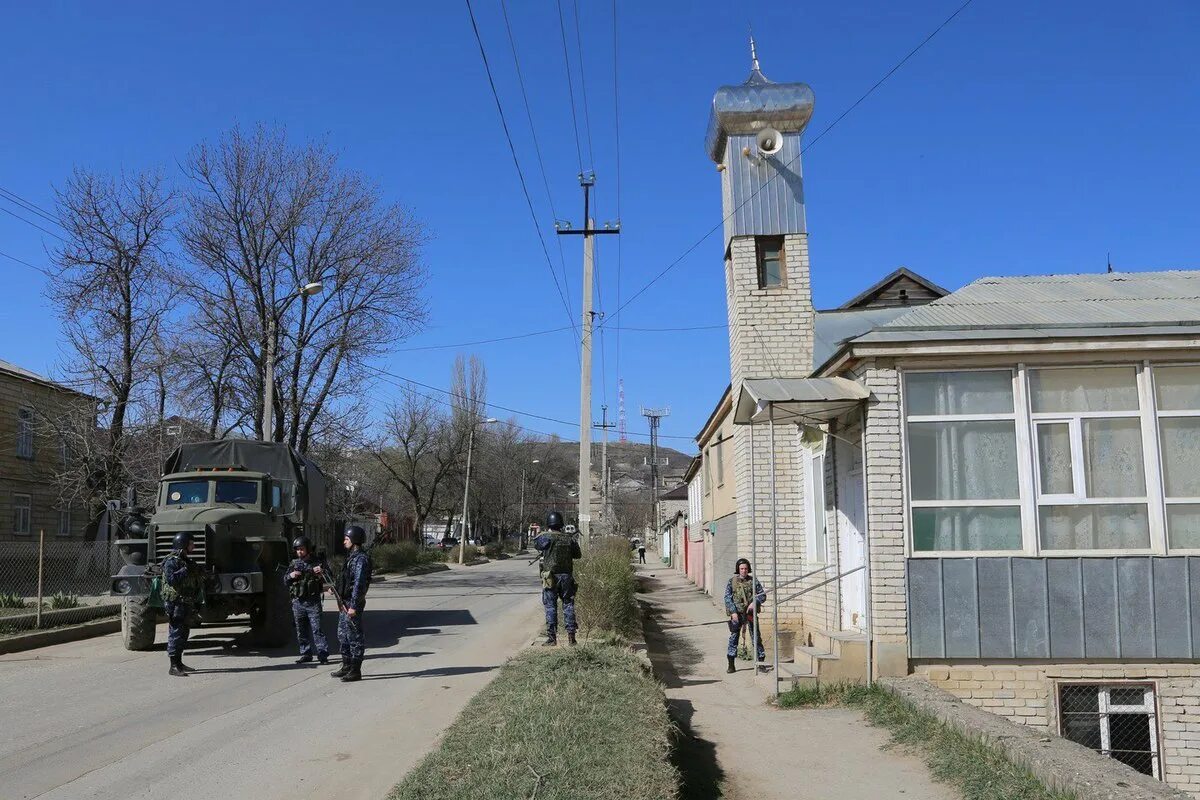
182 591
352 588
305 582
559 551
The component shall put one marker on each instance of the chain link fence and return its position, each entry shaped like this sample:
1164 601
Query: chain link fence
1116 720
48 583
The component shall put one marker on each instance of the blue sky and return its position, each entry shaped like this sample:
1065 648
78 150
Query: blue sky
1027 137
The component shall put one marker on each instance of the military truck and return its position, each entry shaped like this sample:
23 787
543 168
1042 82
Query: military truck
243 502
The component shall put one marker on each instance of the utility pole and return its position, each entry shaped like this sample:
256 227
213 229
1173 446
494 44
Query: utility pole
587 180
654 416
604 487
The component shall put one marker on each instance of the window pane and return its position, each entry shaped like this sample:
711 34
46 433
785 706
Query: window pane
1112 458
1183 525
1098 389
818 507
966 528
1129 741
1126 696
1178 388
181 492
237 492
1054 458
1180 437
770 272
1098 527
963 460
936 393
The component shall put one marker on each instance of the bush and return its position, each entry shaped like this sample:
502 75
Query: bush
579 723
493 549
401 556
64 600
11 600
606 600
471 554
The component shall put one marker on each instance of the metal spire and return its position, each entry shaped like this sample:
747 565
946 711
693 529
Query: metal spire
753 53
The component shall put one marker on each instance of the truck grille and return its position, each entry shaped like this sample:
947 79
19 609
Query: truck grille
164 543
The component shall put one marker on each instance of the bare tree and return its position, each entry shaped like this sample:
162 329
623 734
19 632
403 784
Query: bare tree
265 218
112 292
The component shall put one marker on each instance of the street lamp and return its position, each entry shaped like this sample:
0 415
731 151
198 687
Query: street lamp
521 517
462 543
268 420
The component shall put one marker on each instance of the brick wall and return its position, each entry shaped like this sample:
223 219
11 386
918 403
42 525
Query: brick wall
1027 694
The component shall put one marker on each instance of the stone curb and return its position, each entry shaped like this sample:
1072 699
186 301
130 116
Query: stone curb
70 633
1058 763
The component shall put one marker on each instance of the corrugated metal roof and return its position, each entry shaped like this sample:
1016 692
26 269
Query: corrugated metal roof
1052 303
832 329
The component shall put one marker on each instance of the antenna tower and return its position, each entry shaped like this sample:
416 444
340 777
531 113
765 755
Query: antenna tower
623 436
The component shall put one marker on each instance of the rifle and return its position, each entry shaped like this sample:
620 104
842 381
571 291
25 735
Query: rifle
328 581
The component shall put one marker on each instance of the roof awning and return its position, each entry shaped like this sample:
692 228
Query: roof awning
810 401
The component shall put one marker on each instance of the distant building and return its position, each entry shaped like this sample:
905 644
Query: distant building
31 455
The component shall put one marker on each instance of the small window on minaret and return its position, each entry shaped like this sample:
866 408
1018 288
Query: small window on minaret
769 250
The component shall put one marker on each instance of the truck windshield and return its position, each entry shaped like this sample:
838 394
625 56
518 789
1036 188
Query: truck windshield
183 492
237 492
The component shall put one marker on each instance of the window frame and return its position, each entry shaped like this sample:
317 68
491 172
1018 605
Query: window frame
64 513
1104 708
1028 468
815 519
718 445
28 514
760 242
25 433
1022 444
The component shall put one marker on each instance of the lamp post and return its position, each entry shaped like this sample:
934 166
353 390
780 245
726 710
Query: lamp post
462 544
521 516
268 420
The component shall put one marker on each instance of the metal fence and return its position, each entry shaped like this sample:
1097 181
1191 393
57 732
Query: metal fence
47 583
1116 720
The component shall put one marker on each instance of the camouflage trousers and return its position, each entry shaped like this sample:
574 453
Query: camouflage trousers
179 626
350 635
735 630
308 627
563 588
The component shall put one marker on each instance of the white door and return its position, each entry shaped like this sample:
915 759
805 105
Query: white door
850 535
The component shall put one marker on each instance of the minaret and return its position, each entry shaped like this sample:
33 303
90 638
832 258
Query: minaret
754 137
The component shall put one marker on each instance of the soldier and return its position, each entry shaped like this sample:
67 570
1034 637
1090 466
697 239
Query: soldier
306 584
744 596
352 588
559 551
182 591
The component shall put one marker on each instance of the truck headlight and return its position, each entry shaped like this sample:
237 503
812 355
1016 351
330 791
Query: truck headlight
240 583
122 586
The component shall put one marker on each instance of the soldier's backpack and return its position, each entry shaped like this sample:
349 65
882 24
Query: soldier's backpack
558 558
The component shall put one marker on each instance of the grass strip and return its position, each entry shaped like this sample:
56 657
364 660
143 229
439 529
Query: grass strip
606 602
978 770
579 723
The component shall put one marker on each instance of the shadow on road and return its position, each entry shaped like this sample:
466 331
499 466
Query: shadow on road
436 672
695 758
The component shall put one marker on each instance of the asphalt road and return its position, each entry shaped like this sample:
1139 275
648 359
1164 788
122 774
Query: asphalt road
91 720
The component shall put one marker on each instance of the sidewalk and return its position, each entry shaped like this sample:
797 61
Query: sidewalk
734 744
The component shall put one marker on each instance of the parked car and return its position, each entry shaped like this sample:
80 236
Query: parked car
447 543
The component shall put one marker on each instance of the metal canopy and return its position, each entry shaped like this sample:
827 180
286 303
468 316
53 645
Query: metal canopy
794 400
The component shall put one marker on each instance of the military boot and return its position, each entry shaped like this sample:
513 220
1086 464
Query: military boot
732 668
176 667
182 666
305 659
323 658
571 638
354 673
345 668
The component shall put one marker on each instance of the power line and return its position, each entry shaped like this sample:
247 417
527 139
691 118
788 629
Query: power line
517 163
29 205
803 150
482 341
587 120
562 259
26 263
31 222
562 29
617 136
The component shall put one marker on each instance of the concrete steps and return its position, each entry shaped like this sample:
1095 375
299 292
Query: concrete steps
834 657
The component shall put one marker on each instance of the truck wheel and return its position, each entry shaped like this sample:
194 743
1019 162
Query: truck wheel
272 626
138 621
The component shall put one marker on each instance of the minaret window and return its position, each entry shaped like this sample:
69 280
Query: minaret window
771 267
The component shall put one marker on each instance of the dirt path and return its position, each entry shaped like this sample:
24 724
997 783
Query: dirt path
735 745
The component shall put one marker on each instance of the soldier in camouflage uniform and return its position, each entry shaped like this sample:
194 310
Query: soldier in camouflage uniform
182 591
559 551
305 581
744 596
352 588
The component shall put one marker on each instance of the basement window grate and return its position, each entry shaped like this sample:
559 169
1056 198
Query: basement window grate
1116 720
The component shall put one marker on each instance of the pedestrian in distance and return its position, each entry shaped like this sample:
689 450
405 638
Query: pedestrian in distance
182 591
305 582
744 597
641 554
559 551
351 592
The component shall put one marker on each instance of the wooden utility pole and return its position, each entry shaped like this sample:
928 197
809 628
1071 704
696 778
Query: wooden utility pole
605 489
587 180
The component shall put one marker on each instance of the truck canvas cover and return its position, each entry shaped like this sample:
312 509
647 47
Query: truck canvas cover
274 458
